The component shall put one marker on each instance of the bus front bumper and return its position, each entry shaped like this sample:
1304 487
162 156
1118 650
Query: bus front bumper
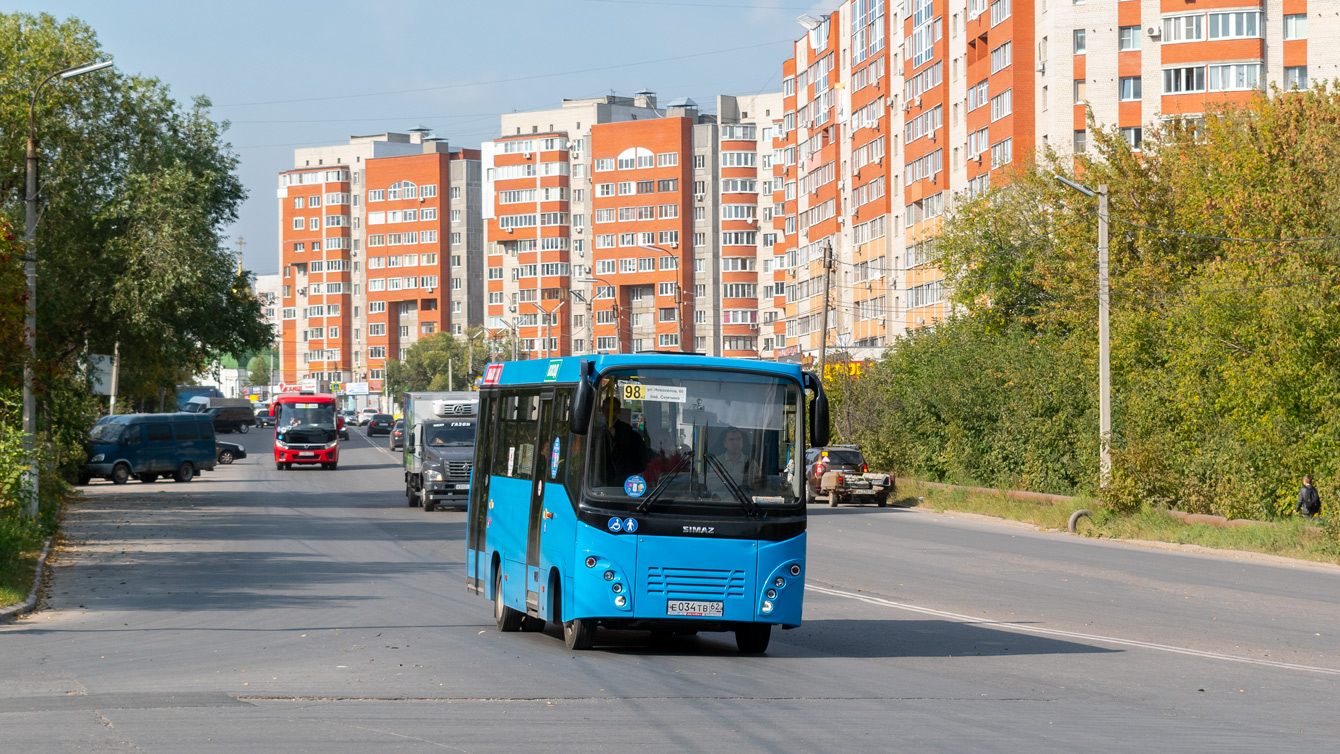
328 455
688 580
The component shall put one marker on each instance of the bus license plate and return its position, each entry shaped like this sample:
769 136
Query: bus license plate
306 455
694 608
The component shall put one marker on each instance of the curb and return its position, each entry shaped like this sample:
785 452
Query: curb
14 612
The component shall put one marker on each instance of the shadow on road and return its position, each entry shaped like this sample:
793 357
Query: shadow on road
859 639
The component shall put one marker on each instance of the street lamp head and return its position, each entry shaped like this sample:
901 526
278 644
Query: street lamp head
809 22
80 70
1082 189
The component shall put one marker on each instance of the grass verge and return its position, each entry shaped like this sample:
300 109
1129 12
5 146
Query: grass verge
1290 538
16 579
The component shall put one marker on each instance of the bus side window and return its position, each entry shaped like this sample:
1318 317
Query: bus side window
502 432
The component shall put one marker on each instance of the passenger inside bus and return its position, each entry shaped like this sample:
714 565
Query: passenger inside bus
733 458
625 452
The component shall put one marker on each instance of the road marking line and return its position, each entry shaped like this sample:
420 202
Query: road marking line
1066 634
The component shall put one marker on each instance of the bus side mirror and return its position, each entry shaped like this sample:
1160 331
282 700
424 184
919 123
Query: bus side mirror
819 434
585 400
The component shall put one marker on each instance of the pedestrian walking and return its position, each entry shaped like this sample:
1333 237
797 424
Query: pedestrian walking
1309 502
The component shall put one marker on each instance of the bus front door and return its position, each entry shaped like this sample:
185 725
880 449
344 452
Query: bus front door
535 521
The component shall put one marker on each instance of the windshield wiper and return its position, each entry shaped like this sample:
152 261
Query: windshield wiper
748 505
666 478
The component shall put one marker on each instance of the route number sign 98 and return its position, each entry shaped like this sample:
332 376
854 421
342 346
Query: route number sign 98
634 391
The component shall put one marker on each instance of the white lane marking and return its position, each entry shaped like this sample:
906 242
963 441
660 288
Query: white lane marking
1065 634
374 445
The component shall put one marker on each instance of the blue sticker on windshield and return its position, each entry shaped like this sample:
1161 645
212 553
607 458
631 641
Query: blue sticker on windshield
630 525
553 460
615 524
635 486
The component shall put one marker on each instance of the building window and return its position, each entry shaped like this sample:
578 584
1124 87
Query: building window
1081 91
1128 38
1133 136
1183 80
1235 77
1130 88
1242 24
1295 26
1079 41
1081 142
1295 77
1184 28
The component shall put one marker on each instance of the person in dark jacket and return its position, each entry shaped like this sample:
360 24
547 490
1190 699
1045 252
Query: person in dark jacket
1309 502
625 452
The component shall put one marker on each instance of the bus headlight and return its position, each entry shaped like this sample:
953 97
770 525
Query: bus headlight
621 600
795 570
618 588
779 582
772 594
330 445
767 606
609 575
590 561
98 458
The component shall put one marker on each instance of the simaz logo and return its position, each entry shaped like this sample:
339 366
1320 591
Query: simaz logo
699 529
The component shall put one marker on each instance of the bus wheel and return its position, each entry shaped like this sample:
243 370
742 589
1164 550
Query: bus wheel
185 472
579 634
120 474
508 619
752 638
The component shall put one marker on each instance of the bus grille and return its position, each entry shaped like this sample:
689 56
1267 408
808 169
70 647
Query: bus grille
459 470
695 582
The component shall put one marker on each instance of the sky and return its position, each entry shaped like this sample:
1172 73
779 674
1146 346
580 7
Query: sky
292 74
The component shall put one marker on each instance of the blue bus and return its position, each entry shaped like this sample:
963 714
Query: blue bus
660 492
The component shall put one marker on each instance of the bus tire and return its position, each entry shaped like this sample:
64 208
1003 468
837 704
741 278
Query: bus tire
752 638
120 474
579 634
508 620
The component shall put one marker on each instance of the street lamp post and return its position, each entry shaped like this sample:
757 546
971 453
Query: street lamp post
679 292
30 271
1104 353
618 337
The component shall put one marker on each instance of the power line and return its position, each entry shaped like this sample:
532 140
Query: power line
507 80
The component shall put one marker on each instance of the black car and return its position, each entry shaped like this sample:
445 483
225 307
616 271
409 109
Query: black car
229 451
380 424
231 418
263 418
398 435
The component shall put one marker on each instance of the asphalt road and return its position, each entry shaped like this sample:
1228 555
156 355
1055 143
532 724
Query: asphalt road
313 611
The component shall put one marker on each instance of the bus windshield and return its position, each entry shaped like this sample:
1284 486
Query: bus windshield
107 433
305 422
455 433
669 440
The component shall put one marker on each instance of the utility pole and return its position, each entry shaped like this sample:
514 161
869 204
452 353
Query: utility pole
1104 356
828 289
451 378
116 375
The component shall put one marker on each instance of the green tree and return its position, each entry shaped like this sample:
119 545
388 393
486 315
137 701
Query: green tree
259 370
439 362
135 189
1225 351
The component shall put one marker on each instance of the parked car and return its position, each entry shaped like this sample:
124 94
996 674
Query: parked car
263 418
380 424
148 446
839 474
365 416
229 451
397 441
231 418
